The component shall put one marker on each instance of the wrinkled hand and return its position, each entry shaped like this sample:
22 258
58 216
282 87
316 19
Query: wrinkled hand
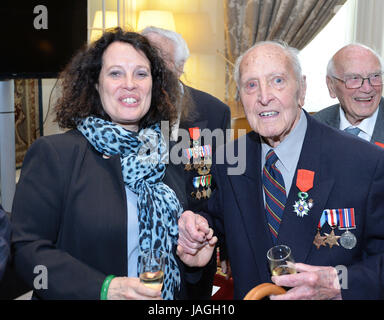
310 283
124 288
196 241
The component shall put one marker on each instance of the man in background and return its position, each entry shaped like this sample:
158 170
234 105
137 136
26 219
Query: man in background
198 110
355 78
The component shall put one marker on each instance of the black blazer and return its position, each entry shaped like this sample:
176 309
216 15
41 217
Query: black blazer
209 113
70 215
349 173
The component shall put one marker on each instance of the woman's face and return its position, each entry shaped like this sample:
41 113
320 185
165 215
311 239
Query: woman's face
125 84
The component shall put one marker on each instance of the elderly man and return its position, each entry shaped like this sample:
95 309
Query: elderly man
355 78
304 186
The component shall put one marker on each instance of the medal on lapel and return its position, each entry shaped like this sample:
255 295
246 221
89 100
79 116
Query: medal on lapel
332 221
192 153
347 221
205 183
304 183
319 239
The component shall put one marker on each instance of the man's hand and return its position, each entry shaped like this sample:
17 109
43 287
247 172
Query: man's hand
196 241
310 283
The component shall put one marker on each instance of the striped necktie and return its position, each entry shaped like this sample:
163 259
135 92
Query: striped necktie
354 131
275 194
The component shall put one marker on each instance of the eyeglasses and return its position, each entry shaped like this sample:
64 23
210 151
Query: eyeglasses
355 82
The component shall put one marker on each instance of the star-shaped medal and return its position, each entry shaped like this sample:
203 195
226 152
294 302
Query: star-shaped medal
332 239
319 240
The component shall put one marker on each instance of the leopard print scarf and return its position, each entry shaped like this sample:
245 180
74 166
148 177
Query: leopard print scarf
143 158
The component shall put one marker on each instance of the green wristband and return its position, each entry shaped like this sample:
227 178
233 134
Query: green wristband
105 286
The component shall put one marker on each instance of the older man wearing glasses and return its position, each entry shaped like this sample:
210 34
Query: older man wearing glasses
355 78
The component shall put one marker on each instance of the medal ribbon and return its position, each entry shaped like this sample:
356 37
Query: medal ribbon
202 181
323 218
304 180
346 218
202 151
332 217
194 133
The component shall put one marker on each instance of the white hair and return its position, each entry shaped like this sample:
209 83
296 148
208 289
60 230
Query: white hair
181 47
292 54
331 63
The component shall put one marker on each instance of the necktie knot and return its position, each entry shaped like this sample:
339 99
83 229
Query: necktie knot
354 131
271 158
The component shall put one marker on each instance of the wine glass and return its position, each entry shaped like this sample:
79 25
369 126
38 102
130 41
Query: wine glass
281 260
152 268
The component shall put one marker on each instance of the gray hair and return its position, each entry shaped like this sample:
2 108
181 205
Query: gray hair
181 47
292 54
331 63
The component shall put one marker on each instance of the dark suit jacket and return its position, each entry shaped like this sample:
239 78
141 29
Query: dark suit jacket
209 113
331 117
70 215
5 235
344 178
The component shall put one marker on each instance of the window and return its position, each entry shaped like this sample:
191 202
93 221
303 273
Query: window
315 56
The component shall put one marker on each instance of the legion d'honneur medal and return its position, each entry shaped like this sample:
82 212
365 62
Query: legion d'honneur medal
347 221
304 182
332 221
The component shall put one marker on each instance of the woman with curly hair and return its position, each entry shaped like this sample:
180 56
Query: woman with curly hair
90 200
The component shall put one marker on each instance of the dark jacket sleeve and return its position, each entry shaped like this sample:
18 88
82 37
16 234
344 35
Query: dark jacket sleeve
5 234
36 218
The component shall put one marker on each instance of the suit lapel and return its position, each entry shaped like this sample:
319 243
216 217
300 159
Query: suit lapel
248 193
378 131
299 232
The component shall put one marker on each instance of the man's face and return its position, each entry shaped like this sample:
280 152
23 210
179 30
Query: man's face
360 103
270 92
167 50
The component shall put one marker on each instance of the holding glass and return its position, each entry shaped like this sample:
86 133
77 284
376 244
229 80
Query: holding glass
280 260
152 268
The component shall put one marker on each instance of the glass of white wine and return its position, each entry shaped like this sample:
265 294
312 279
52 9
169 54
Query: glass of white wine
152 268
280 260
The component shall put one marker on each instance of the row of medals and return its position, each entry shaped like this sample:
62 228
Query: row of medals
203 167
347 239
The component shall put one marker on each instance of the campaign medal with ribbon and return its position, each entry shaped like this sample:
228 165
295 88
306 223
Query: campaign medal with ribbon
319 239
205 183
304 182
332 219
193 152
347 221
201 157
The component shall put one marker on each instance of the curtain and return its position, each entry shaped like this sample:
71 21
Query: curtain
296 22
26 116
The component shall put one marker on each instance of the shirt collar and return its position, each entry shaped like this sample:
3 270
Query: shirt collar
288 151
367 125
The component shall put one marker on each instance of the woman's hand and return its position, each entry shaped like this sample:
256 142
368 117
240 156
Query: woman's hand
124 288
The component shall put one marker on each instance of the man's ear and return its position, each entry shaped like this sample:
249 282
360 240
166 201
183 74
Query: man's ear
303 90
331 87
